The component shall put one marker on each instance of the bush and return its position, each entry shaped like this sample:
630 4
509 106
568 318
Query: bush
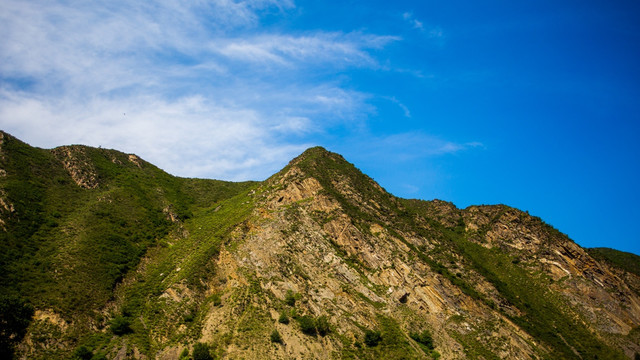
82 353
216 299
290 298
201 352
275 337
184 355
120 325
372 338
307 325
283 319
423 338
322 325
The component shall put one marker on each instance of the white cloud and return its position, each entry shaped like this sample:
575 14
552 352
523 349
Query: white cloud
188 137
334 48
206 91
176 70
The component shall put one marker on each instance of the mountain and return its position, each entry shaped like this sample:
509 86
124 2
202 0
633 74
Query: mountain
106 256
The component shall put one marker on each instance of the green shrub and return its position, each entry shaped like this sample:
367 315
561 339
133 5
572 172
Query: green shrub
184 355
283 319
201 352
120 325
322 325
275 337
189 317
372 338
82 353
290 298
423 338
307 325
216 299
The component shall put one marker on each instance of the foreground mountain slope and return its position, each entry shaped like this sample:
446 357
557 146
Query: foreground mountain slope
317 261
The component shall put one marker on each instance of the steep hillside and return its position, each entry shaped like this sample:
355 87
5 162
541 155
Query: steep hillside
107 256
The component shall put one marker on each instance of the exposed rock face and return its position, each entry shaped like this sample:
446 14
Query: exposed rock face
78 165
302 240
594 289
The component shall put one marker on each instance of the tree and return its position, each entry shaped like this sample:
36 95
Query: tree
201 352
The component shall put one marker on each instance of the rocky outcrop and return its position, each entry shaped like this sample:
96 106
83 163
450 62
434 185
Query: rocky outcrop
78 165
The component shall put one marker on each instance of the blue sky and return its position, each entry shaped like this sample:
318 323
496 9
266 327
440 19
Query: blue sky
529 104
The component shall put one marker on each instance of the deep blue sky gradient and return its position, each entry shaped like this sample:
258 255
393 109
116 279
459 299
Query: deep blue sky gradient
550 89
531 104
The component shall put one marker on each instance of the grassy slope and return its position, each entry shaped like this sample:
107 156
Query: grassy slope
66 248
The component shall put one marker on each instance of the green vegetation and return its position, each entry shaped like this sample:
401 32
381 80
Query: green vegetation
322 326
372 338
201 352
15 316
275 337
424 339
120 325
184 355
145 245
307 325
290 298
314 326
283 319
620 259
83 353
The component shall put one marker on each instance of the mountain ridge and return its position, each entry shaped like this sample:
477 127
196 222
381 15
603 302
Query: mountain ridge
175 264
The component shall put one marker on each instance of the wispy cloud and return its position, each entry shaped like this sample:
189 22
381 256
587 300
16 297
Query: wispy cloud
403 107
205 91
410 146
333 48
417 24
433 32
